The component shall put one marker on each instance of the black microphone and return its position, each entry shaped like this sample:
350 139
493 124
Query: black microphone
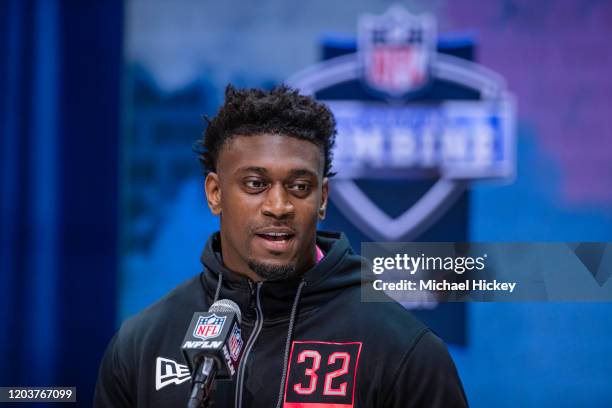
213 348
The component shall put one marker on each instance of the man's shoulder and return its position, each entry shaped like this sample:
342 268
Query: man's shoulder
173 309
142 339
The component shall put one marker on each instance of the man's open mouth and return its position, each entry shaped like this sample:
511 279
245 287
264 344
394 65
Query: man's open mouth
276 236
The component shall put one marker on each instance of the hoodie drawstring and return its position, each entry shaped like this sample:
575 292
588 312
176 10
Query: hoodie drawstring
288 342
218 290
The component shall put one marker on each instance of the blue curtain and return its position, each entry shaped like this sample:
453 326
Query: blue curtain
59 116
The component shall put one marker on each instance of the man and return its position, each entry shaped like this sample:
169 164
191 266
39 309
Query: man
309 340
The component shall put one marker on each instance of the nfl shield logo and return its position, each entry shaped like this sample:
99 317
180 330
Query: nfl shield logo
208 326
396 51
235 342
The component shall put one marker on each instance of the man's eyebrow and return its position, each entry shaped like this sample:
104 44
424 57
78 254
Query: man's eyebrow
303 172
263 170
253 169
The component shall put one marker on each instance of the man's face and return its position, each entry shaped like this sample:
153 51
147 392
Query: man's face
270 191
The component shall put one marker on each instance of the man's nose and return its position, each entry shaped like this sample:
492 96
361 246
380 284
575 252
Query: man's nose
277 203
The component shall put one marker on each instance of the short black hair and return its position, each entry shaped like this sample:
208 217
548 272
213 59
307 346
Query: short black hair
252 111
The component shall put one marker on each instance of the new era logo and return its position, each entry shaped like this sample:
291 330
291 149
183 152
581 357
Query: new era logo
170 372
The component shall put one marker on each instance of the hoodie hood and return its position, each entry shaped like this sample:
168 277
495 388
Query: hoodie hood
339 269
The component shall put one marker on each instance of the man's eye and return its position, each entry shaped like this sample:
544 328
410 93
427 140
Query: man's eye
255 184
300 187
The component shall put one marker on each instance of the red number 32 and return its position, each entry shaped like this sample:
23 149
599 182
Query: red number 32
311 373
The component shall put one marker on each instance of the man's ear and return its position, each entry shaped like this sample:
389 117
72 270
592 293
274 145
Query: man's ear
324 196
213 192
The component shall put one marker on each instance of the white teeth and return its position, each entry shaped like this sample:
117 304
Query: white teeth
277 234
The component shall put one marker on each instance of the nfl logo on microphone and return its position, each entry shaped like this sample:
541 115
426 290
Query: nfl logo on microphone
208 326
235 342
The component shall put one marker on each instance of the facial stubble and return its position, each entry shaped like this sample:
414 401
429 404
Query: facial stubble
272 272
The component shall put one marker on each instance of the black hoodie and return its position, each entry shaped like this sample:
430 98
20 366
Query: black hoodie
309 343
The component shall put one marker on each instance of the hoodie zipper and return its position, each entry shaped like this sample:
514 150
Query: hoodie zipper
249 345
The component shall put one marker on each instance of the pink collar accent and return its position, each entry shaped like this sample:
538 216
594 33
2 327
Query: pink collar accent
320 253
